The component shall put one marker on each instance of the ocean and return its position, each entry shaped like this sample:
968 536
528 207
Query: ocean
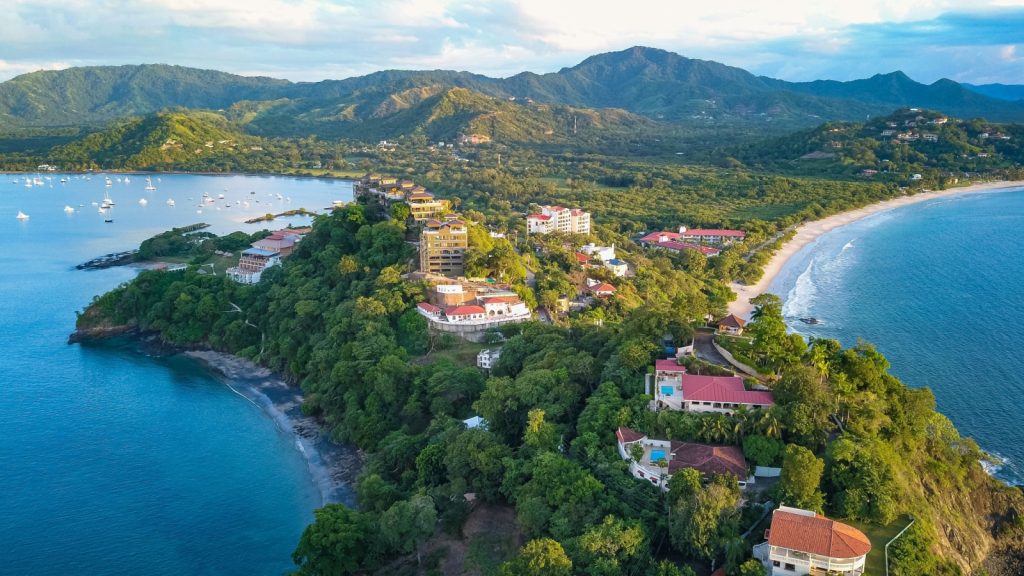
935 287
112 461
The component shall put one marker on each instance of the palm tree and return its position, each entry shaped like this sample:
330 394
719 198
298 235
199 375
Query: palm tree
742 419
714 429
769 425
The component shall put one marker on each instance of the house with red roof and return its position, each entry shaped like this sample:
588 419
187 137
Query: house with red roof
672 241
804 542
674 389
488 310
465 313
663 458
602 290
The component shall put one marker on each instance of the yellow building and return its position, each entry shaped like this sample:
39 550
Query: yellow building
423 206
443 247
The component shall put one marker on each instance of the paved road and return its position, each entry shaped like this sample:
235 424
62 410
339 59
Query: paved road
705 350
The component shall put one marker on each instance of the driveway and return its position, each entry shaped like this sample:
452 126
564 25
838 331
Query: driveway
705 350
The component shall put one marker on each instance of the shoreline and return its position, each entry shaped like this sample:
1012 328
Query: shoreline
333 467
352 179
808 232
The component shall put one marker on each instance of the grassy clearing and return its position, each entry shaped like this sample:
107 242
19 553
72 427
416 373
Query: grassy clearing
879 536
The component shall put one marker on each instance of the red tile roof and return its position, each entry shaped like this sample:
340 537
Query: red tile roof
628 435
464 310
679 246
668 365
582 258
428 307
815 534
502 300
654 236
708 459
715 232
722 389
538 217
602 287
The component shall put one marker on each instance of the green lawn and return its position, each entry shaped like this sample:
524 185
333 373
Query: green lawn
879 536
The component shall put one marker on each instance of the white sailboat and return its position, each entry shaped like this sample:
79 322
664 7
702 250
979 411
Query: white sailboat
170 201
143 201
107 201
22 215
68 209
149 184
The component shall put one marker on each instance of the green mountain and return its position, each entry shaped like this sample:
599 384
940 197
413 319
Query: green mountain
893 148
164 139
1000 91
443 113
96 94
660 85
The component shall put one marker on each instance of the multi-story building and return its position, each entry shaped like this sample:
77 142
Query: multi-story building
558 219
251 265
486 358
423 206
803 542
443 247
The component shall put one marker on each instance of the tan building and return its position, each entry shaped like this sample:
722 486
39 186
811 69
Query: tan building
443 247
423 206
558 219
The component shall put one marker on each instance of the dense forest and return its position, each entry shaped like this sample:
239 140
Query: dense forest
338 319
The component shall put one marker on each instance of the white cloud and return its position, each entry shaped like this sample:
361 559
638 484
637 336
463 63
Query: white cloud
313 39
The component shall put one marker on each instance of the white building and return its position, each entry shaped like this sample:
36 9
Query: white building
674 389
558 219
616 266
486 358
603 253
803 542
252 263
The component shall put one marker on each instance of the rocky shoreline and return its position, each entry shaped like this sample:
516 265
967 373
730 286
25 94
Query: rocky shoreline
333 467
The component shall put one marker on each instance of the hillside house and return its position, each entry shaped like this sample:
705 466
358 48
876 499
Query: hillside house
663 458
674 389
803 542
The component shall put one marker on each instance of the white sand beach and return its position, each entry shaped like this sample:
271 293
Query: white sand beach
808 232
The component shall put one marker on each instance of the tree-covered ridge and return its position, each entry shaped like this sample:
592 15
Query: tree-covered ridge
338 318
645 81
893 148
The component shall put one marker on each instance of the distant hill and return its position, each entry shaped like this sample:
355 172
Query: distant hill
95 94
443 113
1012 92
659 85
893 148
164 139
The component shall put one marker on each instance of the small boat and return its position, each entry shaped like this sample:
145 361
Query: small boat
109 183
199 211
170 201
149 184
220 196
28 183
126 180
63 180
253 192
810 320
108 220
143 201
22 215
68 209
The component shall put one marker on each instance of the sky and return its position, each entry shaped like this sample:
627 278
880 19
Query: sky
978 41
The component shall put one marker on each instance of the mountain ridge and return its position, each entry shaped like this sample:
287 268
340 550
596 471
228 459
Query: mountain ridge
650 82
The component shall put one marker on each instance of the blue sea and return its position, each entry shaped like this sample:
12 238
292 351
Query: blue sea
936 287
114 462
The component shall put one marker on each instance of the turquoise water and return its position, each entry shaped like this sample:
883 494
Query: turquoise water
936 287
111 461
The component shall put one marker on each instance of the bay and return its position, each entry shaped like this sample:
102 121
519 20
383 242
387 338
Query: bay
112 461
935 287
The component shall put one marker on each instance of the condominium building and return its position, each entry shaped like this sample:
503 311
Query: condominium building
443 247
423 206
558 219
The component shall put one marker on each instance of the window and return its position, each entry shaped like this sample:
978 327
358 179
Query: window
790 567
776 563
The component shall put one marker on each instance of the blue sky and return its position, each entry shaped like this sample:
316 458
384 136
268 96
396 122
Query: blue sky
978 41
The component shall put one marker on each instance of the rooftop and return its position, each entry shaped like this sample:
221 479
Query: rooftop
805 531
669 365
259 252
721 389
464 310
715 232
732 321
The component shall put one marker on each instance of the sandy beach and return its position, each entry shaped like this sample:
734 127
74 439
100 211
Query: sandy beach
810 231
